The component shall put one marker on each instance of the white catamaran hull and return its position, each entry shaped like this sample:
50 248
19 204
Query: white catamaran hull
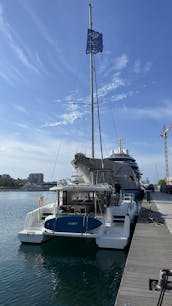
33 236
113 232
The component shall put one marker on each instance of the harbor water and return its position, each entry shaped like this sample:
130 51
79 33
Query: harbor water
60 272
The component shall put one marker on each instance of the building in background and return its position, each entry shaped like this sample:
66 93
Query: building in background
36 178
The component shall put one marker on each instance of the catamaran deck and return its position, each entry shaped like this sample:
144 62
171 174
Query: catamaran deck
150 251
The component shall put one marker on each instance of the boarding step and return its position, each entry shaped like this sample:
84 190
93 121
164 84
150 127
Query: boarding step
69 234
118 219
44 215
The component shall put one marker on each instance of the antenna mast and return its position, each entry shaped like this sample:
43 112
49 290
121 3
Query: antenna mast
164 135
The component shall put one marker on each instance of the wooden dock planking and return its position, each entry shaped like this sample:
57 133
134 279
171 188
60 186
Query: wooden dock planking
150 251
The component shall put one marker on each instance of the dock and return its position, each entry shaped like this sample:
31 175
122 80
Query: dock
150 251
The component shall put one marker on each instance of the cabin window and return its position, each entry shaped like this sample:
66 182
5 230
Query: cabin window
64 197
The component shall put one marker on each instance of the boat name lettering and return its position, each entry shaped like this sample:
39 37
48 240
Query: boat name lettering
72 223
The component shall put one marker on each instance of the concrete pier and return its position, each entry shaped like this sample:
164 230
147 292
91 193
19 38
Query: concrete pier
150 251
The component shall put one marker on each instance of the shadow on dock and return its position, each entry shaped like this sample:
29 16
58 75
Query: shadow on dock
150 214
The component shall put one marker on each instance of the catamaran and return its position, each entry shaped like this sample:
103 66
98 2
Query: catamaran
82 211
88 209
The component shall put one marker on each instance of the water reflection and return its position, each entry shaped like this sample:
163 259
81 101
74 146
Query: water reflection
78 272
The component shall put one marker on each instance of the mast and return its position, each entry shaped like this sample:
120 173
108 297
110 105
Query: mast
91 84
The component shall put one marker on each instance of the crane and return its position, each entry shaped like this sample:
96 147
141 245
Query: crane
164 135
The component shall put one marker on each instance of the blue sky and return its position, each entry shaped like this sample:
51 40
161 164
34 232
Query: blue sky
44 83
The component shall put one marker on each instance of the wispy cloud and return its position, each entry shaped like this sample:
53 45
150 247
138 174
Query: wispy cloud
11 73
6 78
116 82
40 26
22 56
38 156
53 42
160 112
121 62
65 119
16 45
140 67
148 67
22 126
72 113
137 66
76 106
110 65
19 108
122 96
1 14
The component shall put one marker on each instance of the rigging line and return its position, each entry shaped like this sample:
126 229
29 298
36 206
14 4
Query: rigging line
54 168
113 121
55 162
98 113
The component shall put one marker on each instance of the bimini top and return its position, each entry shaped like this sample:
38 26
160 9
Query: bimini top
82 187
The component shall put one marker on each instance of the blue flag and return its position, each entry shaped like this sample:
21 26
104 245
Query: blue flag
94 42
